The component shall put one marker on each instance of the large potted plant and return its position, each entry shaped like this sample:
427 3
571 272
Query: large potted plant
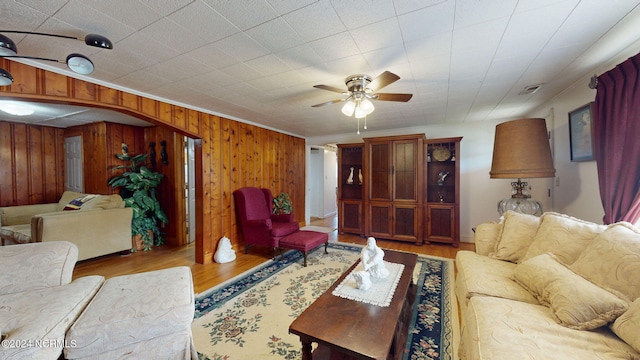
138 190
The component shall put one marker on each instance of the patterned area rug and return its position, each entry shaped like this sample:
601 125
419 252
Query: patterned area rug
248 317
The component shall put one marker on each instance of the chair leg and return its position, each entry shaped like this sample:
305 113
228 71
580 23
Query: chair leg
305 258
246 249
325 247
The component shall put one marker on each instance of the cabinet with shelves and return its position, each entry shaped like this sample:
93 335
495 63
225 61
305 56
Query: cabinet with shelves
442 203
350 188
393 187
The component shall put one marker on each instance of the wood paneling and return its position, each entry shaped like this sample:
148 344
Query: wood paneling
230 154
32 158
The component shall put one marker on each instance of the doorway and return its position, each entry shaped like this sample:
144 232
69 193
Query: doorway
190 188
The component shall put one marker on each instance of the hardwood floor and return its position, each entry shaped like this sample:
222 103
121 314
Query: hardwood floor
209 275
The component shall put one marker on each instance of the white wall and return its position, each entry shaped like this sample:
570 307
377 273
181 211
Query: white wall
330 189
322 179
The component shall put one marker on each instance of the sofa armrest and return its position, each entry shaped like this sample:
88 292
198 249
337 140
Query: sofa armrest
36 266
21 214
95 232
486 237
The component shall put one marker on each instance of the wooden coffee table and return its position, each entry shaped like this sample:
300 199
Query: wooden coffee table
349 329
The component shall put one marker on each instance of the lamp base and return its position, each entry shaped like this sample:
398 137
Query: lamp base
520 201
521 205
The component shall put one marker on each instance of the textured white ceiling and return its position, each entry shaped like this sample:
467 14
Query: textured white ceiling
257 60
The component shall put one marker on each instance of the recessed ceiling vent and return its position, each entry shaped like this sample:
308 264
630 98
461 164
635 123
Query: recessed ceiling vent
531 89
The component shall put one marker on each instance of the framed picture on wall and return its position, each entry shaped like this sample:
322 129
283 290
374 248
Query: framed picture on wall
581 133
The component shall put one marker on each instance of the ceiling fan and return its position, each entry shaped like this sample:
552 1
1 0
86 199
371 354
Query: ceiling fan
361 89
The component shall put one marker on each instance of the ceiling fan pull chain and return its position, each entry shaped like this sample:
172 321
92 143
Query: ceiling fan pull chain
358 126
365 122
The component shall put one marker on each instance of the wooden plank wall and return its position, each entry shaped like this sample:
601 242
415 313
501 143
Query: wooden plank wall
231 154
239 155
31 164
171 189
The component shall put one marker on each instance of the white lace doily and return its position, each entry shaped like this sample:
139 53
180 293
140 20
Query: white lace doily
381 291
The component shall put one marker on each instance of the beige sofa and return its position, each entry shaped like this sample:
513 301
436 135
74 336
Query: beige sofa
101 225
553 287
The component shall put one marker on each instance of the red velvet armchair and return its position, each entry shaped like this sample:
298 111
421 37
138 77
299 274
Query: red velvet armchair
260 226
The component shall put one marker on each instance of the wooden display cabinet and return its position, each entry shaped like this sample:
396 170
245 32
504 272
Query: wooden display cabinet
350 189
442 203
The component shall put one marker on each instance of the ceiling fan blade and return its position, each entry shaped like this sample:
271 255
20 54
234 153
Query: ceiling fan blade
392 97
330 88
383 80
328 102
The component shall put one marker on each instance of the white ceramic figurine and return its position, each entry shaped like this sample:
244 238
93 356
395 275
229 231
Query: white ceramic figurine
372 260
225 252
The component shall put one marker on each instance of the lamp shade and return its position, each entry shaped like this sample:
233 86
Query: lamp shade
521 150
348 108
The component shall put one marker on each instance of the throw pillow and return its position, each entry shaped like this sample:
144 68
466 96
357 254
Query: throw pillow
562 235
627 325
612 260
574 301
518 231
78 202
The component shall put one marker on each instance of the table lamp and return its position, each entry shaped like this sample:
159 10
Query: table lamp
521 150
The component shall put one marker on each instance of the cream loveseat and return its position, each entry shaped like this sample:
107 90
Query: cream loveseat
46 316
98 225
553 287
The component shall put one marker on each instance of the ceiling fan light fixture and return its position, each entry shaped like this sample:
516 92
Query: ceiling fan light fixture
349 107
5 78
16 108
98 41
80 64
7 46
367 106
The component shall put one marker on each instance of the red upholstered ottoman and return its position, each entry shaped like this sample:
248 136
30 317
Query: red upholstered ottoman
304 241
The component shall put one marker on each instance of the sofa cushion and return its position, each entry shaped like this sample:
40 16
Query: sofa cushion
134 308
627 325
480 275
104 202
518 232
66 198
575 302
612 260
562 235
485 237
502 329
79 202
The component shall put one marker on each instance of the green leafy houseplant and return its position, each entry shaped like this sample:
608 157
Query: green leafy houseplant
138 190
282 204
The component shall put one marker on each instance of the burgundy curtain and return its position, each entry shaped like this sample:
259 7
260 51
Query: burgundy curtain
616 128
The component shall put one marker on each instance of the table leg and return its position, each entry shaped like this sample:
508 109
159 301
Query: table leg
306 350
